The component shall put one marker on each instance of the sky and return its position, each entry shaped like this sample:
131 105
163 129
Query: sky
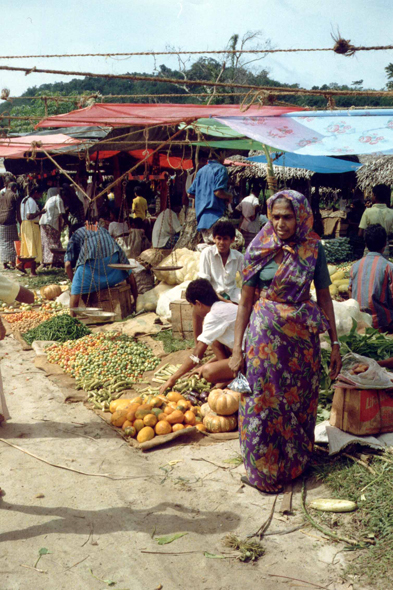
94 26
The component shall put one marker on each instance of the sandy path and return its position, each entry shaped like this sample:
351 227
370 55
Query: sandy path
108 523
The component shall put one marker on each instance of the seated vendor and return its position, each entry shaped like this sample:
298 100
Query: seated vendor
371 281
218 332
89 252
166 230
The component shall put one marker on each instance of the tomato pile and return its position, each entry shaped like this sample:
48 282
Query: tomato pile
104 355
27 320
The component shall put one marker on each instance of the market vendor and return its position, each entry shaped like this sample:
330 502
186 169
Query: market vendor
219 319
90 251
31 246
166 230
379 213
371 280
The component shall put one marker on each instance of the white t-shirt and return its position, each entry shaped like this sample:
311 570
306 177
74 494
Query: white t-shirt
167 225
247 208
219 324
222 278
54 208
8 290
28 206
116 228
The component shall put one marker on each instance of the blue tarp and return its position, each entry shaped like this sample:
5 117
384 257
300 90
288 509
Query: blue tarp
322 164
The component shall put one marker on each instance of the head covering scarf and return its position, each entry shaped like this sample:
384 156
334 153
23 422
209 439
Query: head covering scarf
300 251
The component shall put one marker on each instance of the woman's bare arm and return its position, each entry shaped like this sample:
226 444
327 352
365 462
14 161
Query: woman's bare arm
243 317
325 303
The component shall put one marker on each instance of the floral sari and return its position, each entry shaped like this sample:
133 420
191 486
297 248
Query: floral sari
282 351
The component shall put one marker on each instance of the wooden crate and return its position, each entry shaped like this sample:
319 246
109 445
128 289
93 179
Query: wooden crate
181 312
118 299
362 411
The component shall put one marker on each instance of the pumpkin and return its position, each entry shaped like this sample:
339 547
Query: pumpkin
117 403
215 423
162 416
145 434
138 425
50 291
119 417
130 431
223 402
177 427
189 418
205 410
143 411
176 417
163 427
174 396
201 427
131 411
150 420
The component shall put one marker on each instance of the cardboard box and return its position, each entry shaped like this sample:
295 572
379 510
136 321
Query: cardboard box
362 411
181 320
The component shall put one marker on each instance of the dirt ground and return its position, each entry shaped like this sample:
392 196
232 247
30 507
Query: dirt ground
99 532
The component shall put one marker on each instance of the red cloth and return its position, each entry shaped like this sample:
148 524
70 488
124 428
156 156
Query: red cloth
125 115
15 147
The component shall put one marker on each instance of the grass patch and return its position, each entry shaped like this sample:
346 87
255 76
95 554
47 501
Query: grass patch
46 277
172 344
372 520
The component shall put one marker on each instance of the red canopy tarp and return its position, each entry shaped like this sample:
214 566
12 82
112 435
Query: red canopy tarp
164 161
16 147
127 115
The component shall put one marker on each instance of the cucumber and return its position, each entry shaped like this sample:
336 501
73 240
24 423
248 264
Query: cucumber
330 505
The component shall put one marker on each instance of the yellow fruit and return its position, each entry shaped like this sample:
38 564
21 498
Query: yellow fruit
137 400
174 396
143 411
145 434
119 417
183 405
131 411
168 410
118 403
150 420
333 289
201 427
189 418
126 424
176 417
163 427
173 405
337 276
138 425
177 427
162 416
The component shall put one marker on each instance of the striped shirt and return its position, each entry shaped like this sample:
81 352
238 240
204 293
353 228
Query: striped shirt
92 245
372 287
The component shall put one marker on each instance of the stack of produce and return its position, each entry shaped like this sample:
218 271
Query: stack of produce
27 320
220 411
193 388
104 357
188 260
59 328
338 250
4 308
340 284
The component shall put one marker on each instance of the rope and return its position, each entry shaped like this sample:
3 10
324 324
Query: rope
63 172
341 47
279 89
67 98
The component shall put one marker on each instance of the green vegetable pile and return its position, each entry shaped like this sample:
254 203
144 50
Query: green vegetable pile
60 329
338 250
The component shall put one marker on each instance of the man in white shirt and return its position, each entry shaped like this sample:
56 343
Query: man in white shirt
250 223
167 228
219 319
51 224
220 263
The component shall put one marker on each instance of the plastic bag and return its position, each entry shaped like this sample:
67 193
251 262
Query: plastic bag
345 312
240 384
164 302
374 377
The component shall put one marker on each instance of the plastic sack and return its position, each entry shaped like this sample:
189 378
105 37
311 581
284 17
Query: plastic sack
240 384
345 312
374 377
148 301
163 306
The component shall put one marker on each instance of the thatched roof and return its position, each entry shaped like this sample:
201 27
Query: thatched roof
375 170
256 170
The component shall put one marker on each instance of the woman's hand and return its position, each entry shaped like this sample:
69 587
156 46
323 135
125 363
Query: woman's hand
335 362
236 362
167 385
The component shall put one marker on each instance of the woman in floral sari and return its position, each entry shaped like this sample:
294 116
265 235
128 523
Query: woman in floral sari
282 350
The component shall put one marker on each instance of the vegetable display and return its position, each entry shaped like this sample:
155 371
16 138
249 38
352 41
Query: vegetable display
103 356
192 387
338 250
59 328
27 320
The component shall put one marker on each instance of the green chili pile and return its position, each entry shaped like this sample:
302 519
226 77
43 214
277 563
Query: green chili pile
59 329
